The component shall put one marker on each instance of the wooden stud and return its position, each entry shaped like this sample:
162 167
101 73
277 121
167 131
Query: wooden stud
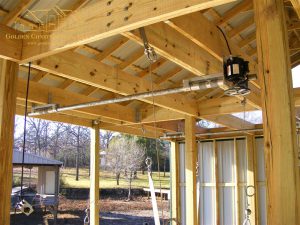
8 81
236 183
175 183
216 173
250 145
282 171
190 171
94 177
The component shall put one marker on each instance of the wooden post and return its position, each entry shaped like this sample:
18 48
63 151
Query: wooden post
237 181
190 171
251 176
216 171
175 182
278 113
8 84
94 177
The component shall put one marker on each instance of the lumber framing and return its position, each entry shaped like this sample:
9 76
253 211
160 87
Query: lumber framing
185 43
250 145
77 67
190 171
94 177
105 21
10 48
175 183
278 113
8 79
296 5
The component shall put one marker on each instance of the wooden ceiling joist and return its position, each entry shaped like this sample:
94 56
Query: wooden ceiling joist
243 6
77 67
105 21
11 17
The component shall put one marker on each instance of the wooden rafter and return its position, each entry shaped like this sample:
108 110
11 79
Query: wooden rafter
104 22
10 17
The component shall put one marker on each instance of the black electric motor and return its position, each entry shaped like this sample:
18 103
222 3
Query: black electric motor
236 72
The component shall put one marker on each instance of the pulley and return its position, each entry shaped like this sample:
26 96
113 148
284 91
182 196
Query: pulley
236 72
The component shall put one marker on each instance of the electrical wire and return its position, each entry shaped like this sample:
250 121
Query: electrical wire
225 40
25 123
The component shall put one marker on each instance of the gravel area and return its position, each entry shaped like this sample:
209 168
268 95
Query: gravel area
112 212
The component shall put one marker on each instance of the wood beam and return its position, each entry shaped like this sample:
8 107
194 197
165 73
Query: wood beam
175 179
251 180
133 130
240 28
101 20
131 59
80 121
224 105
39 76
296 5
243 6
8 80
77 67
230 121
278 114
180 44
168 75
190 171
112 47
10 47
154 66
177 48
95 174
10 18
39 94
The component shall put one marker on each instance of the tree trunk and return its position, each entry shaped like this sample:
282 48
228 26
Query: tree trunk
129 189
118 177
165 167
77 156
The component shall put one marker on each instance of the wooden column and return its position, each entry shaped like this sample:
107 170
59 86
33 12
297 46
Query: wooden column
190 171
94 177
8 84
251 176
175 182
278 113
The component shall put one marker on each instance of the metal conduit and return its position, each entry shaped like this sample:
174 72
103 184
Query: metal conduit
192 86
181 134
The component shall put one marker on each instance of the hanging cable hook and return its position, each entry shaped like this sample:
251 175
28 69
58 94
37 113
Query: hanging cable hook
86 220
149 50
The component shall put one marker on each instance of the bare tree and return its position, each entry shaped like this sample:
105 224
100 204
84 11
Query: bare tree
126 155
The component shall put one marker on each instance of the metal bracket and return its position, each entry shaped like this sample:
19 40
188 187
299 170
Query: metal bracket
42 108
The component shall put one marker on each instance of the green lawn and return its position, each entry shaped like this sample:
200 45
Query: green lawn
107 179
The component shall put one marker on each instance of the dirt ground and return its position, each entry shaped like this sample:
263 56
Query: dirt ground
112 212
